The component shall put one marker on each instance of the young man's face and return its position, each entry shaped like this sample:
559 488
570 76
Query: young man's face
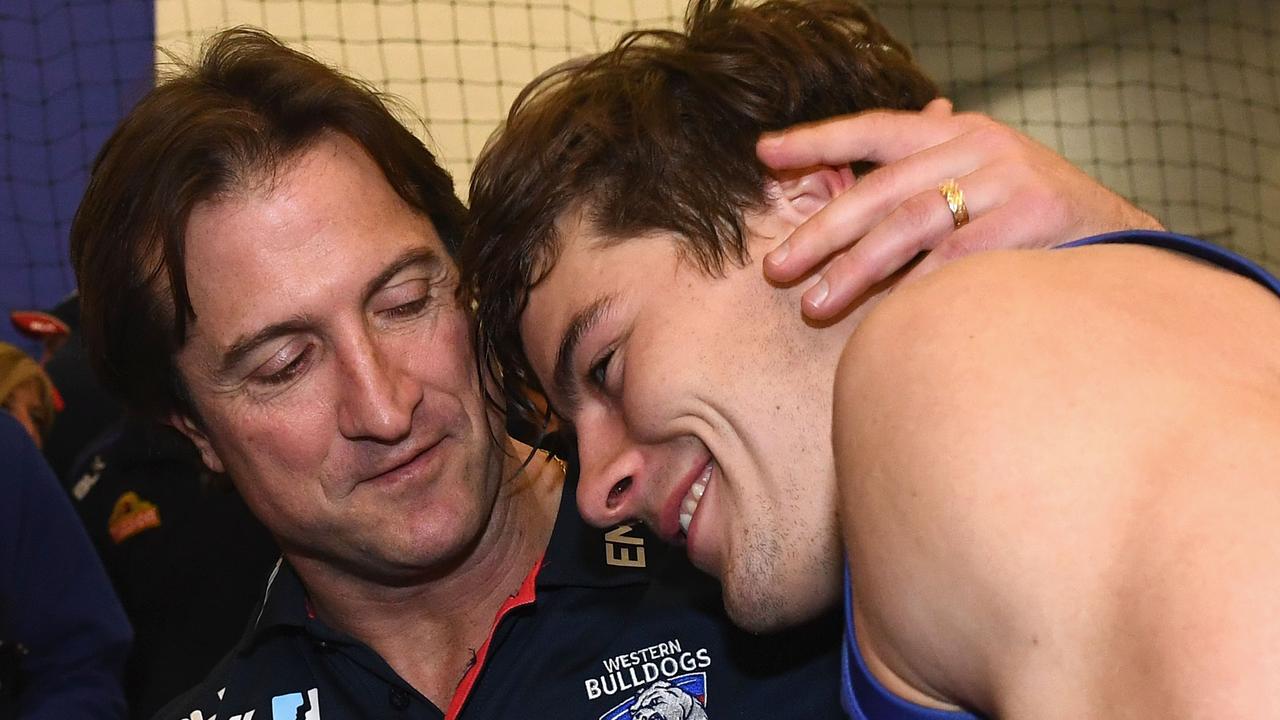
330 368
690 415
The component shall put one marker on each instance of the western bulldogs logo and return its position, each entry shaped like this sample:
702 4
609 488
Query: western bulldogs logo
681 698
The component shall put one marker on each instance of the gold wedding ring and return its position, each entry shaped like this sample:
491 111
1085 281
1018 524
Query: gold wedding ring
955 201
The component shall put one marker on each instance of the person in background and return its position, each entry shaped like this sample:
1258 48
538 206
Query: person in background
26 392
163 524
62 630
87 409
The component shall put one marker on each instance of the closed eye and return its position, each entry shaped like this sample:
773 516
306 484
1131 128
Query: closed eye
288 372
408 309
598 374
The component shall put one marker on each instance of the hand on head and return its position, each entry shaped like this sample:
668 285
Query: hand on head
1017 193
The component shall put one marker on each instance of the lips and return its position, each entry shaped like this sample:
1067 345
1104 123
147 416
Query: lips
405 465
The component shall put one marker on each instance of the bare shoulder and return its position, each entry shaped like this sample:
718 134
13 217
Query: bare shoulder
1019 330
1060 450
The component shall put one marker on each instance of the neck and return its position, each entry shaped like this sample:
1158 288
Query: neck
823 342
429 630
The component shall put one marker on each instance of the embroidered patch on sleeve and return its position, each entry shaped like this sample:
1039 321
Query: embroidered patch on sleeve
130 516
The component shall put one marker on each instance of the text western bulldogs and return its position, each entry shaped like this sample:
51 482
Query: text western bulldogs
666 661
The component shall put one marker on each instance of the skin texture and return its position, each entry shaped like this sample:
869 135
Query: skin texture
1019 193
1080 450
357 431
1042 460
687 383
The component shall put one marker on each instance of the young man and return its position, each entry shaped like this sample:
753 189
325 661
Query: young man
1050 468
265 260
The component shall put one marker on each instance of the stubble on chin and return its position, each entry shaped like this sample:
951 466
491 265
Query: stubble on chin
760 598
753 595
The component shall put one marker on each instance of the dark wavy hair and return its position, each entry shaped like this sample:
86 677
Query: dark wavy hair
245 107
659 134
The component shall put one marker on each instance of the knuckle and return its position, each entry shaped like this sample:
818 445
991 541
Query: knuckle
995 137
846 274
917 213
1051 208
954 248
972 121
1018 177
813 238
882 185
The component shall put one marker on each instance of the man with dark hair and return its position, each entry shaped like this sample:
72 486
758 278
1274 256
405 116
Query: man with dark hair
265 259
1050 470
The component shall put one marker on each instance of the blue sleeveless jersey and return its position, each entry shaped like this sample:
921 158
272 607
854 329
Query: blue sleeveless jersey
863 697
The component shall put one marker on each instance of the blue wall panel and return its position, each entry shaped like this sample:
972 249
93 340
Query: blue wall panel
69 69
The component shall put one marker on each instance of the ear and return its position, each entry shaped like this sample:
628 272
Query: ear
797 194
191 429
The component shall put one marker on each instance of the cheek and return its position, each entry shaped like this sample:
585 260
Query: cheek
441 360
661 384
440 354
276 440
450 346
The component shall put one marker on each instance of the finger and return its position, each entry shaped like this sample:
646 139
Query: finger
938 107
877 136
853 213
922 222
1002 227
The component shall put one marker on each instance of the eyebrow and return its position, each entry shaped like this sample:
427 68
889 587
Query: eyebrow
563 376
424 257
246 344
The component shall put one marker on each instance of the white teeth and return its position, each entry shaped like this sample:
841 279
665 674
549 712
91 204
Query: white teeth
694 496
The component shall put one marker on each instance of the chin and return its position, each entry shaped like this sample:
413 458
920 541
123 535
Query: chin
765 593
760 611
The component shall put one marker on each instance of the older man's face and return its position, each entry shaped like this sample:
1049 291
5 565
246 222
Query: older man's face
330 368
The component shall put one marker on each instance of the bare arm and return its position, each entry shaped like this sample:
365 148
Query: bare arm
1052 486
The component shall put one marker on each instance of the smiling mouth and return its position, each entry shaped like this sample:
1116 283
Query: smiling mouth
406 466
694 497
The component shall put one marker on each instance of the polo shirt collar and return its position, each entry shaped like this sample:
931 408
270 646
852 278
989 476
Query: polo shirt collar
578 555
284 603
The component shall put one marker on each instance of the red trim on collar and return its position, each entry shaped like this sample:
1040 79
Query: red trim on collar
524 596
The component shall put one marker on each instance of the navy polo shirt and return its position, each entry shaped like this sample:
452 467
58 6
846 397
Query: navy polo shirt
607 623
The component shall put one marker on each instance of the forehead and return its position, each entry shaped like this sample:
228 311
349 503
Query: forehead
320 226
586 270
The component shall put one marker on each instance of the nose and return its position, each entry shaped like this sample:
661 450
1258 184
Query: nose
378 394
610 488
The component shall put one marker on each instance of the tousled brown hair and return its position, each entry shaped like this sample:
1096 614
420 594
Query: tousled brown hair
659 134
247 105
